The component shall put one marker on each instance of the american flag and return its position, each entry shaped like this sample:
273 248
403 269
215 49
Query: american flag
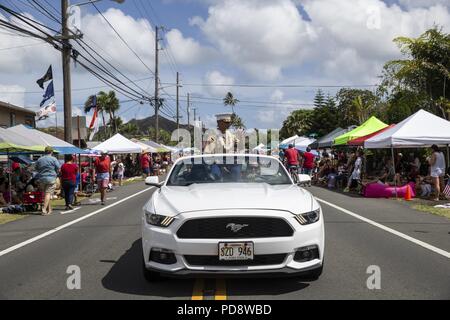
447 190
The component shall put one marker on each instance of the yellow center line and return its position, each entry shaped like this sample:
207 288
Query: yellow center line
221 290
199 285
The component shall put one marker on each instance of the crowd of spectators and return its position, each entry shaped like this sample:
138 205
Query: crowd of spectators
37 183
352 170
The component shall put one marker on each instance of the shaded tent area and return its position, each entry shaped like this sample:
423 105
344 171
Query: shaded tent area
118 144
370 126
40 140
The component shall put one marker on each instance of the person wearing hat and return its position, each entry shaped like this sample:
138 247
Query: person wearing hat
47 168
102 170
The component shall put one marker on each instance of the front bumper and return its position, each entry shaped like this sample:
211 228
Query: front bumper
166 238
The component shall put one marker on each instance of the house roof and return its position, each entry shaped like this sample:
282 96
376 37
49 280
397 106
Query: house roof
16 108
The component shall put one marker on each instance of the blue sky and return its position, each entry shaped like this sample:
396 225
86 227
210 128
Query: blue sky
279 42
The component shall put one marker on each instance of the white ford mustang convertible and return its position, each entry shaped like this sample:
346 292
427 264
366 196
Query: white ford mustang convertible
238 215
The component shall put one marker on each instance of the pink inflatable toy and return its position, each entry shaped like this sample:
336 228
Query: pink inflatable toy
378 190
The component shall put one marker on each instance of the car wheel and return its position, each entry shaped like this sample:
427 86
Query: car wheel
149 275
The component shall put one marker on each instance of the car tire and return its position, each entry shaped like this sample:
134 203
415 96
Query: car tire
149 275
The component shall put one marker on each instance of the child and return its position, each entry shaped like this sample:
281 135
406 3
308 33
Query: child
423 186
120 172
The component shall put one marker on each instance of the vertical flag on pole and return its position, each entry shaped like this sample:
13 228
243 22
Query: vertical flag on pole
94 126
48 103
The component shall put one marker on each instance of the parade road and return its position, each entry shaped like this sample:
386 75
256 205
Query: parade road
375 249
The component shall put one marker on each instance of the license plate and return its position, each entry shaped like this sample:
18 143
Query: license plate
235 251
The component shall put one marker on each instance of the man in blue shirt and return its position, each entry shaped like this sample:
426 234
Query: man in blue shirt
47 168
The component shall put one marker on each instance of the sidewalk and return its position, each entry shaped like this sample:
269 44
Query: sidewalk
396 214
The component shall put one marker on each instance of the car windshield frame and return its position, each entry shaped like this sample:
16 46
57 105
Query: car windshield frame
228 169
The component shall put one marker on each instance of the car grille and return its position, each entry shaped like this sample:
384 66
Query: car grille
259 260
216 228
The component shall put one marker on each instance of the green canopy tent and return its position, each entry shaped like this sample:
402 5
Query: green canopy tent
12 143
370 126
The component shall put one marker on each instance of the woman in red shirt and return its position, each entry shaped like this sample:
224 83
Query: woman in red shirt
69 171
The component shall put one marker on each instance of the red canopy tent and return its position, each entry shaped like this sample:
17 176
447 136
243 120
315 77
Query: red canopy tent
359 142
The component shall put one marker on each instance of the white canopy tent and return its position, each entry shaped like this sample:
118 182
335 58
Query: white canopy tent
304 143
145 148
290 140
422 129
119 145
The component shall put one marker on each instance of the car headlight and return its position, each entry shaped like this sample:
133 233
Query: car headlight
158 220
308 217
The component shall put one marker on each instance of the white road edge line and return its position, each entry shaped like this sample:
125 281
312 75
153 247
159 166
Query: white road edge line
70 211
383 227
64 226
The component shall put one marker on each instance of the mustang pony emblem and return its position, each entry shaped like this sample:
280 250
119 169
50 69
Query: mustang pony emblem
236 227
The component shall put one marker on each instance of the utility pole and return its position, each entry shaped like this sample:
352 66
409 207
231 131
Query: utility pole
157 83
66 51
178 100
189 111
195 115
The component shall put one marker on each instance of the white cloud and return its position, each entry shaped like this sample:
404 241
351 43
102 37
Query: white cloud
23 54
423 3
12 94
216 77
345 40
187 50
261 37
210 121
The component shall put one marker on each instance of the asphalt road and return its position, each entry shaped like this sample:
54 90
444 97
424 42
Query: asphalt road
106 247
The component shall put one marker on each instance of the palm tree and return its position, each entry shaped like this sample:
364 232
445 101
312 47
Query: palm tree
230 100
111 105
362 109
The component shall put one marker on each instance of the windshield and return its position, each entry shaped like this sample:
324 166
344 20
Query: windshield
228 170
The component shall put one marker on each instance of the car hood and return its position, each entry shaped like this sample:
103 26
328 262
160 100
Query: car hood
171 201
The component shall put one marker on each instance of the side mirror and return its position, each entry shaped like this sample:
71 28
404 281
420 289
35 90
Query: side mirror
153 181
304 179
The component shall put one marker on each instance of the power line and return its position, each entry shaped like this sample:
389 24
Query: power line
121 38
274 85
76 89
75 55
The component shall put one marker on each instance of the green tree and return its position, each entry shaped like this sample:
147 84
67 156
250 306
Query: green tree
349 113
362 109
424 73
324 118
298 123
230 101
111 105
237 122
129 129
319 99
